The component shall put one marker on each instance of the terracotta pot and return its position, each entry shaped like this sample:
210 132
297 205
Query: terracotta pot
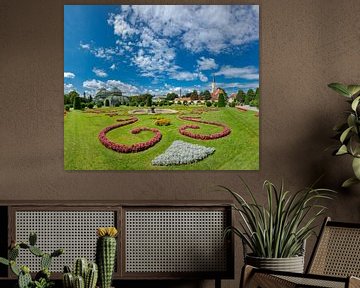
291 264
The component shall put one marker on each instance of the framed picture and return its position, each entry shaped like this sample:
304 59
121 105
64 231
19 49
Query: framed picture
161 87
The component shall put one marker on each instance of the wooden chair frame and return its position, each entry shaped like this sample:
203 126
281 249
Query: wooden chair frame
255 277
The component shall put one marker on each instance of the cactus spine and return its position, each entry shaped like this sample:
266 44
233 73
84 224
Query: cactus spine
105 254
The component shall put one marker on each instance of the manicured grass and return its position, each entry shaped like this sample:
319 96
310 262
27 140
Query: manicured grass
83 150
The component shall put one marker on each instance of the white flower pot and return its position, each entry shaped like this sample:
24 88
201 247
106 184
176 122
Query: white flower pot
291 264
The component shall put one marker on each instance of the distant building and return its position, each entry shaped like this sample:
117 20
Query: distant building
114 97
215 92
232 98
159 98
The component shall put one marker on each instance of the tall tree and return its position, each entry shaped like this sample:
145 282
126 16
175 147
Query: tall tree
221 101
194 95
240 96
149 100
206 94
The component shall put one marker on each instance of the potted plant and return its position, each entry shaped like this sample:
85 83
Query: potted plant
276 233
42 278
349 132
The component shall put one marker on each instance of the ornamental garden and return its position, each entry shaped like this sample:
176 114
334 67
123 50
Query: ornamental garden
173 136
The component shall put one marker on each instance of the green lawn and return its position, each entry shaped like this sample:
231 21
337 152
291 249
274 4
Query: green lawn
83 150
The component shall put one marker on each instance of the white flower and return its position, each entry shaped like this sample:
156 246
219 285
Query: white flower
181 152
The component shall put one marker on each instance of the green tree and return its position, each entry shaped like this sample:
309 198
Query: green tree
221 101
240 96
99 104
77 103
149 100
250 95
72 95
171 96
194 95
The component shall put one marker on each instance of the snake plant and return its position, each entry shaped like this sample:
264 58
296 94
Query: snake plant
280 228
349 131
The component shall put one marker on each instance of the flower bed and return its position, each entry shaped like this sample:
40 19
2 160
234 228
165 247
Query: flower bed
137 147
181 152
184 129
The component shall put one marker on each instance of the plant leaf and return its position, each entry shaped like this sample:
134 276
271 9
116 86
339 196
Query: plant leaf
353 89
349 182
356 167
355 103
342 150
340 88
345 134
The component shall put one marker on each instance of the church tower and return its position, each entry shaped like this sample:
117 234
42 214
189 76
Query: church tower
213 86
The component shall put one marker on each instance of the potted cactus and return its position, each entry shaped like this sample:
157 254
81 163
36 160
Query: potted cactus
84 275
42 278
106 254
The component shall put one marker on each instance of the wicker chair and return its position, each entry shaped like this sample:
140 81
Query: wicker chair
334 263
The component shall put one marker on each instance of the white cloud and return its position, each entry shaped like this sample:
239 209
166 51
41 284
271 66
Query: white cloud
85 46
102 52
113 66
121 27
184 76
212 28
125 88
237 85
202 77
99 72
206 63
69 75
68 87
248 72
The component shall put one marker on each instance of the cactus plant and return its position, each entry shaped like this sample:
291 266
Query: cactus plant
80 267
91 276
42 278
84 274
79 282
105 254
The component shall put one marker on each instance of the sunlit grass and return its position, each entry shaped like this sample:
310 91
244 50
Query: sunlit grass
83 150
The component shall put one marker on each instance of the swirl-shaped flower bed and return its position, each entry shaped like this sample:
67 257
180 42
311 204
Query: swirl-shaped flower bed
184 129
122 148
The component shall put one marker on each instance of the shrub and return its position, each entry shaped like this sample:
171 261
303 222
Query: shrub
77 103
67 107
232 104
142 104
179 102
90 105
163 122
208 103
99 104
215 104
83 105
117 104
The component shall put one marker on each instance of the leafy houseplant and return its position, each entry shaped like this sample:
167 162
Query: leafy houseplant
349 132
279 229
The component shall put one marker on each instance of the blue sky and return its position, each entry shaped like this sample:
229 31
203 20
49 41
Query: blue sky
160 48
